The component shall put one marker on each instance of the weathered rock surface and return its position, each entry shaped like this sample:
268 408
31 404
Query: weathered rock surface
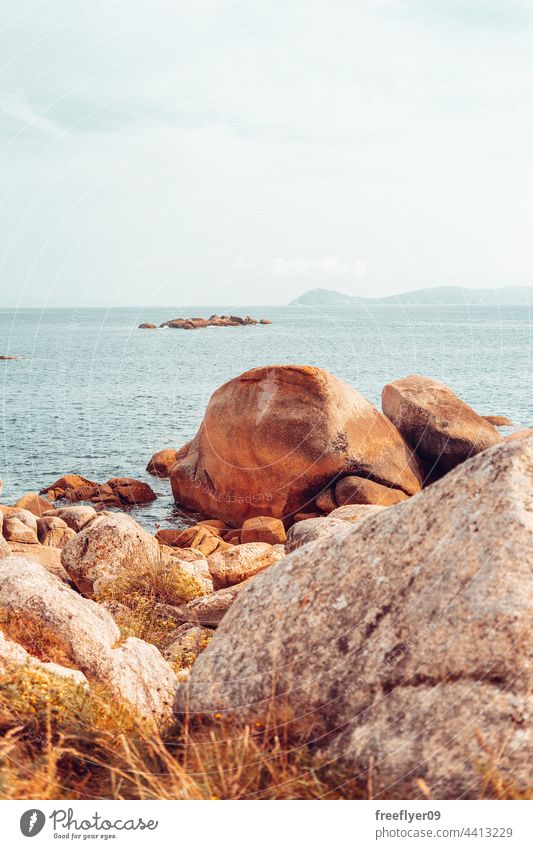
83 634
312 530
108 547
263 529
44 555
273 438
161 463
241 562
408 640
5 550
442 429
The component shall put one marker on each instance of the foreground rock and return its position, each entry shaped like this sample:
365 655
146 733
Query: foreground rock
108 547
5 550
77 632
408 641
275 437
442 429
45 555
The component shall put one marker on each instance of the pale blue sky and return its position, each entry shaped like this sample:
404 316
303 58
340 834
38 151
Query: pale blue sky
241 152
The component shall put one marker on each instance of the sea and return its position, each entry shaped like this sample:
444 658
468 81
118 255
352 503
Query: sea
94 395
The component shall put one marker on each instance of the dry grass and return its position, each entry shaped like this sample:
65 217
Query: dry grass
58 741
61 742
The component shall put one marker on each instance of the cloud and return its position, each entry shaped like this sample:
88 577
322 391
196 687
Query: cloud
325 265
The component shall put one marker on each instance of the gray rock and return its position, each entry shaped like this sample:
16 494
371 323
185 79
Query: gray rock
356 512
208 610
76 517
85 633
407 640
14 655
109 546
312 530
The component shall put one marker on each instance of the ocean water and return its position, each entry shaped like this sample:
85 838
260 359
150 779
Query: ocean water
96 396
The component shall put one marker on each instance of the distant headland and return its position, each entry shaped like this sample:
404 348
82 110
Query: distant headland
438 295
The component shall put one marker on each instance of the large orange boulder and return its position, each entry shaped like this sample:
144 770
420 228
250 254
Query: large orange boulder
442 429
273 438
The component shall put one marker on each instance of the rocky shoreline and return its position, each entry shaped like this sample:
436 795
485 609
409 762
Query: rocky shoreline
371 569
212 321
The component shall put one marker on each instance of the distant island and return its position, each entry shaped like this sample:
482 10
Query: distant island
438 295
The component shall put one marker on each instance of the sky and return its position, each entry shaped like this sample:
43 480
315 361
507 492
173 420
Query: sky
157 152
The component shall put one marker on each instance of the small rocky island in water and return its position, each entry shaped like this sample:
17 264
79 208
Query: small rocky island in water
213 321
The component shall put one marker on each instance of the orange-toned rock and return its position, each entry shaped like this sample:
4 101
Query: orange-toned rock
263 529
233 539
326 500
216 524
241 562
146 325
35 504
70 488
442 429
302 517
201 538
131 491
355 490
161 463
273 438
498 421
